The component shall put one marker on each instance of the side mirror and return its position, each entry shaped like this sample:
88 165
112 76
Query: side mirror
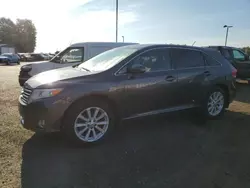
136 68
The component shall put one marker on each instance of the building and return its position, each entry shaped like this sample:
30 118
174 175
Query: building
5 48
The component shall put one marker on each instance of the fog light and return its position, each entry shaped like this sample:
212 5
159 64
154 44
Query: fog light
41 123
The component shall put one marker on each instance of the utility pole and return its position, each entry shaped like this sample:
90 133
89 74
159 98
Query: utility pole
227 26
116 31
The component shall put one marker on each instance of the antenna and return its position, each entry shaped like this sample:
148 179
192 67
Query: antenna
193 43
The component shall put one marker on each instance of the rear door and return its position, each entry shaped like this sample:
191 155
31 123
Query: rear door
212 73
190 67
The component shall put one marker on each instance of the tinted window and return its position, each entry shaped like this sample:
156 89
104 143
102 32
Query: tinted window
184 58
226 53
153 60
238 55
211 61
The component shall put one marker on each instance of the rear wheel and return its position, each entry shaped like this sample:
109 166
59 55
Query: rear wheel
215 103
89 122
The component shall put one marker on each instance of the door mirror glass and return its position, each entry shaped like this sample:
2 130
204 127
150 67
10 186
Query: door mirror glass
136 68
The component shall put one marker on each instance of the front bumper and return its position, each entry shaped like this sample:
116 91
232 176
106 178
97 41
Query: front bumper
44 115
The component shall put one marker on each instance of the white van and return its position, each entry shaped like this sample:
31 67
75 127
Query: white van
71 56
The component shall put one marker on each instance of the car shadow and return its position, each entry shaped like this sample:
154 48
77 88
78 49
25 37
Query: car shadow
243 91
167 151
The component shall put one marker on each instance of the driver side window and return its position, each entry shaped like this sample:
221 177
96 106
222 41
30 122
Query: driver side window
153 60
73 55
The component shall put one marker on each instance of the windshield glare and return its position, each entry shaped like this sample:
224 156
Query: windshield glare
108 59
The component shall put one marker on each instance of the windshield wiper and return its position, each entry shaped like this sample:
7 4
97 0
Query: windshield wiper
85 69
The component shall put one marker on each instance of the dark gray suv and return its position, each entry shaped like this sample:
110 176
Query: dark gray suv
87 101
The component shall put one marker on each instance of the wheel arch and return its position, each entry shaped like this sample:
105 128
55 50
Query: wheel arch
111 103
226 90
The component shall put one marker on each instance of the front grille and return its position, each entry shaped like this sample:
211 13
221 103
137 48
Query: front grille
3 61
25 94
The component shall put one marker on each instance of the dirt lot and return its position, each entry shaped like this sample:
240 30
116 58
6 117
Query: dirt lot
172 151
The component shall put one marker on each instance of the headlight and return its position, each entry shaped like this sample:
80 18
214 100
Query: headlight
44 93
26 67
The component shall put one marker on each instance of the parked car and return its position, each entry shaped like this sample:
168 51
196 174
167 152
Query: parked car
71 56
51 55
9 58
37 57
25 57
4 60
238 59
87 101
46 56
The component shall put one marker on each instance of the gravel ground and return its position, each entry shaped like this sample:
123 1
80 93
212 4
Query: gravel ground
166 151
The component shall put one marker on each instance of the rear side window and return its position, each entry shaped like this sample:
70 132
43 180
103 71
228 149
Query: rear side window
210 61
185 58
226 53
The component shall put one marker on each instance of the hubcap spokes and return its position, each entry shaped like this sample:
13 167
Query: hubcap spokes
215 103
91 124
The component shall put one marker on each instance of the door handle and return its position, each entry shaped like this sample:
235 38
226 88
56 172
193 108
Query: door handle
207 73
170 78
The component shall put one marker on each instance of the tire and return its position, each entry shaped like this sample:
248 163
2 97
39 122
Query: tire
8 62
74 116
18 62
215 103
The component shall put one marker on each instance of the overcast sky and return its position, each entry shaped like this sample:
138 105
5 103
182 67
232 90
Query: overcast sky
61 23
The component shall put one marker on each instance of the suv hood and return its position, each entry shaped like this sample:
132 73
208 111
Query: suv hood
49 77
3 57
38 62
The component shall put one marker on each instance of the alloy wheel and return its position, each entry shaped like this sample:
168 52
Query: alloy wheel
215 103
91 124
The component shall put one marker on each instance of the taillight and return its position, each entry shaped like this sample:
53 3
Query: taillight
234 72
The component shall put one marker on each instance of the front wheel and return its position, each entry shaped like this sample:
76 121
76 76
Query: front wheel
215 103
88 122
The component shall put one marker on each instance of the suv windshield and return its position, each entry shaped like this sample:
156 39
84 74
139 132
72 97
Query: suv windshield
107 59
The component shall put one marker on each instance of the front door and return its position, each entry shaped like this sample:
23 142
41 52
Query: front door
190 66
150 92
